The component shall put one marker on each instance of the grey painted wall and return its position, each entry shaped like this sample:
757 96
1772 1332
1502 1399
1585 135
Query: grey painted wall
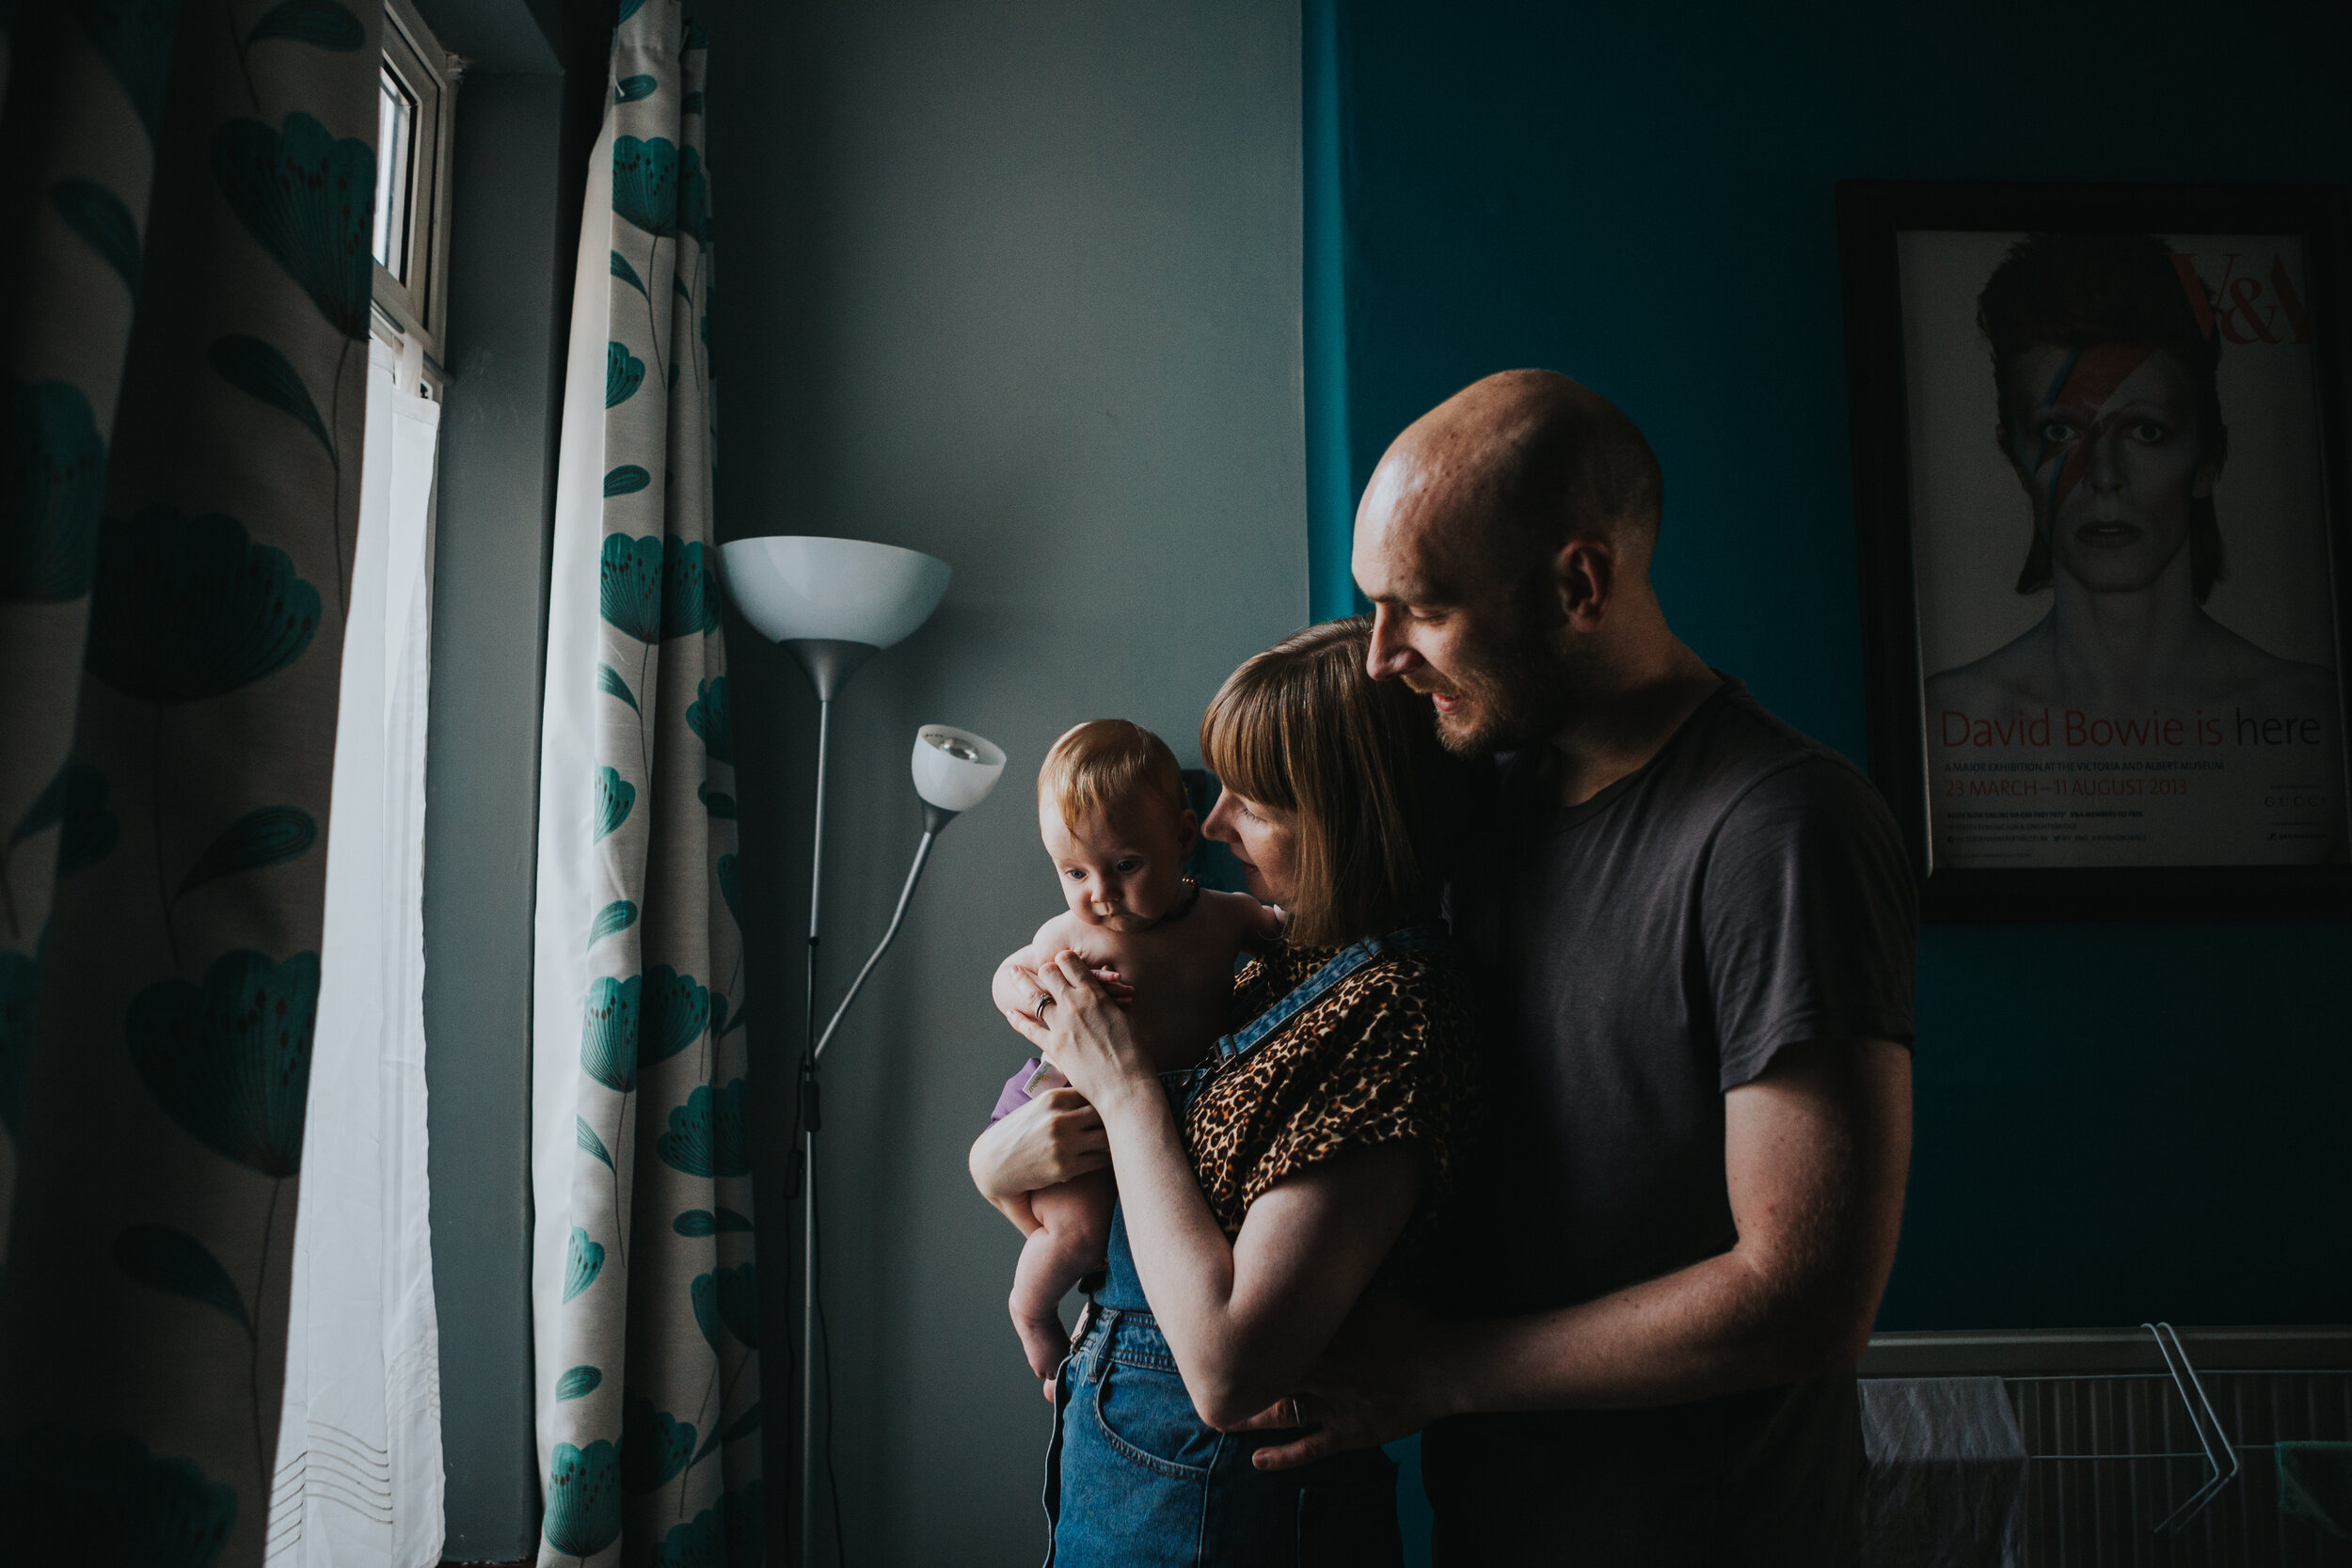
510 296
1018 285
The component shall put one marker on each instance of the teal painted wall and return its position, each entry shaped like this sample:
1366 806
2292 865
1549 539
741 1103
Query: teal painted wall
1331 484
2115 1122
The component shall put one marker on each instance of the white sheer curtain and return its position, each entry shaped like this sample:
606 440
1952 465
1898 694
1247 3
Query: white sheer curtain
358 1477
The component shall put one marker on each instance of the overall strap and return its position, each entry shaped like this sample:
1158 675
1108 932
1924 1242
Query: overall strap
1346 962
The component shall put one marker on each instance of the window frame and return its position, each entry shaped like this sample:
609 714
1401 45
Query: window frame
410 313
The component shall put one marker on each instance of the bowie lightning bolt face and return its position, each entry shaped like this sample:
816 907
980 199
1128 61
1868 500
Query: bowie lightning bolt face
2107 445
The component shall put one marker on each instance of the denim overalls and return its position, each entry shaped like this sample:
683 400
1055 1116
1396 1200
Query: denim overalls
1151 1485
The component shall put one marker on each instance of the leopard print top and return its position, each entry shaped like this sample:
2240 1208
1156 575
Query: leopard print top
1382 1057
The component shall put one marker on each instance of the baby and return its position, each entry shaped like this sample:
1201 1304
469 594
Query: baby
1110 806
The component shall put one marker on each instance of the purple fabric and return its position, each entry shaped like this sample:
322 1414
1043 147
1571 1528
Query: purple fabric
1014 1096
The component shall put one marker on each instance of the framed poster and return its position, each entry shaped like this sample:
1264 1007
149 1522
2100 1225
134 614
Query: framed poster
2099 474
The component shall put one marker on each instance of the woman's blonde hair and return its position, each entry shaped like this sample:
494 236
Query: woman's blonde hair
1302 728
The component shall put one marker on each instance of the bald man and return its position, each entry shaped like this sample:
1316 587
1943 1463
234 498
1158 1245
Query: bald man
1701 929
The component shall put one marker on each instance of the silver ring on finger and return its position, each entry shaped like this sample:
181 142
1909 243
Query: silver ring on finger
1038 1011
1298 1416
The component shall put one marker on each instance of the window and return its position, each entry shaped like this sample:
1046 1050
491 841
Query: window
360 1461
415 109
395 137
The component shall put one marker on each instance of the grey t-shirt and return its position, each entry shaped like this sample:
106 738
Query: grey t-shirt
1645 952
1654 947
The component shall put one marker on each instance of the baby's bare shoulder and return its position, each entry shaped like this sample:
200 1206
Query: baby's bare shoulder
1098 946
1064 931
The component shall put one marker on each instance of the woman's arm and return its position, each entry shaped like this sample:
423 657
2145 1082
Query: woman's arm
1815 1152
1243 1318
1054 1137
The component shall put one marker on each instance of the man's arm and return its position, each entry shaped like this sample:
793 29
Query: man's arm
1815 1150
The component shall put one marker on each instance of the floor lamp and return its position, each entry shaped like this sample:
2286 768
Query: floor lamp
834 604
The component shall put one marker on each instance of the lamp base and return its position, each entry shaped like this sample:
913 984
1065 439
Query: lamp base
829 660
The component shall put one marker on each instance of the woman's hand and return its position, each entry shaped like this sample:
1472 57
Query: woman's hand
1046 1142
1016 990
1089 1038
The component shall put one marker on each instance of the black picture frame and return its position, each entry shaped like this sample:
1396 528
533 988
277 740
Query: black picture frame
1871 214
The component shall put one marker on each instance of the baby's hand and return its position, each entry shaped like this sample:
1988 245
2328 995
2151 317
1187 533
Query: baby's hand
1266 926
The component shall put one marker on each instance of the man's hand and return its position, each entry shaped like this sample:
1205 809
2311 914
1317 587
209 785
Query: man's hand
1371 1386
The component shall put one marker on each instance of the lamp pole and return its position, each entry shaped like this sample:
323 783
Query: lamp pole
835 603
830 663
808 1119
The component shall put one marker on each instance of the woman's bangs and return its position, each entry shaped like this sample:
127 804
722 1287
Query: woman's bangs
1242 738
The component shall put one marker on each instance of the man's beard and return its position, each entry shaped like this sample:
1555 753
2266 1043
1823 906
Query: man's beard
1519 691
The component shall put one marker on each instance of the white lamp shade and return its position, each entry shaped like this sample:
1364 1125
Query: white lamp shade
793 586
954 770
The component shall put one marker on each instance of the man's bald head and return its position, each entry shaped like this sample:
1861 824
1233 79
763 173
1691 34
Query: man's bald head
1504 544
1515 466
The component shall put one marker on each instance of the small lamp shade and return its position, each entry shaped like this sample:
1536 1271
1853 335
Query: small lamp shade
954 770
795 587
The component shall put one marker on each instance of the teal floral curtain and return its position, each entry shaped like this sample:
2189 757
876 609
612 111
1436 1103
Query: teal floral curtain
646 1291
184 278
